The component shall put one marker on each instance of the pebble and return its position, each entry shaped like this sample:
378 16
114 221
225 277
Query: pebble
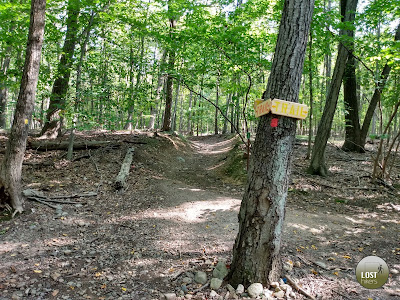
284 287
215 283
213 293
220 270
255 290
274 284
67 252
394 271
230 288
200 277
321 264
267 293
184 288
240 289
279 294
187 280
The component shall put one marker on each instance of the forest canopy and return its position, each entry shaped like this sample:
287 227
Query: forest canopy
125 52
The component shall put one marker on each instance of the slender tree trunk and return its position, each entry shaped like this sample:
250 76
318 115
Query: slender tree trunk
181 114
134 90
317 164
256 253
228 102
160 82
58 100
168 99
78 96
216 103
175 105
11 167
4 88
310 78
376 96
189 122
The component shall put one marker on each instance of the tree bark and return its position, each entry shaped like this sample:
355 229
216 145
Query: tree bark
352 121
310 114
58 95
256 253
168 99
317 163
11 167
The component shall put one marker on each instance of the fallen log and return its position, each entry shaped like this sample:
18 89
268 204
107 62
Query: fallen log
63 145
120 180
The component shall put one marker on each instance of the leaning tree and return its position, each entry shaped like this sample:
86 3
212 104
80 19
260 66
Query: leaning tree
257 246
11 167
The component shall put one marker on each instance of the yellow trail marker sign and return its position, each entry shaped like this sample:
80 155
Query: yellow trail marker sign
262 107
289 109
280 107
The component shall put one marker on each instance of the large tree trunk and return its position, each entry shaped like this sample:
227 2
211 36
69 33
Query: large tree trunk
256 253
317 164
352 121
11 167
58 95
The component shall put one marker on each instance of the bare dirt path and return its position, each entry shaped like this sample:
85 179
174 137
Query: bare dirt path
179 214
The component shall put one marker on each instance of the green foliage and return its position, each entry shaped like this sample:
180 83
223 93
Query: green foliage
220 41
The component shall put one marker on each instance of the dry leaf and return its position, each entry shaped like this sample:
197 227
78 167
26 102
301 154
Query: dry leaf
314 272
123 289
336 273
346 256
37 271
54 293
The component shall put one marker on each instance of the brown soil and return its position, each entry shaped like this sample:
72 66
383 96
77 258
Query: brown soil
179 214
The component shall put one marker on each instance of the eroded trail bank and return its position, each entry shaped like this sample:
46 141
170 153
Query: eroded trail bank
178 215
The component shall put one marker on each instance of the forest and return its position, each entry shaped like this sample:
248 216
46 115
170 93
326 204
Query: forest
199 149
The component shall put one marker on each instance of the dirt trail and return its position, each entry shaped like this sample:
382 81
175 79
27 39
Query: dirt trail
179 214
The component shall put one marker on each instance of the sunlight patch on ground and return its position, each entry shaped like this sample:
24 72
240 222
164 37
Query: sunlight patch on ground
195 211
355 221
192 190
335 169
